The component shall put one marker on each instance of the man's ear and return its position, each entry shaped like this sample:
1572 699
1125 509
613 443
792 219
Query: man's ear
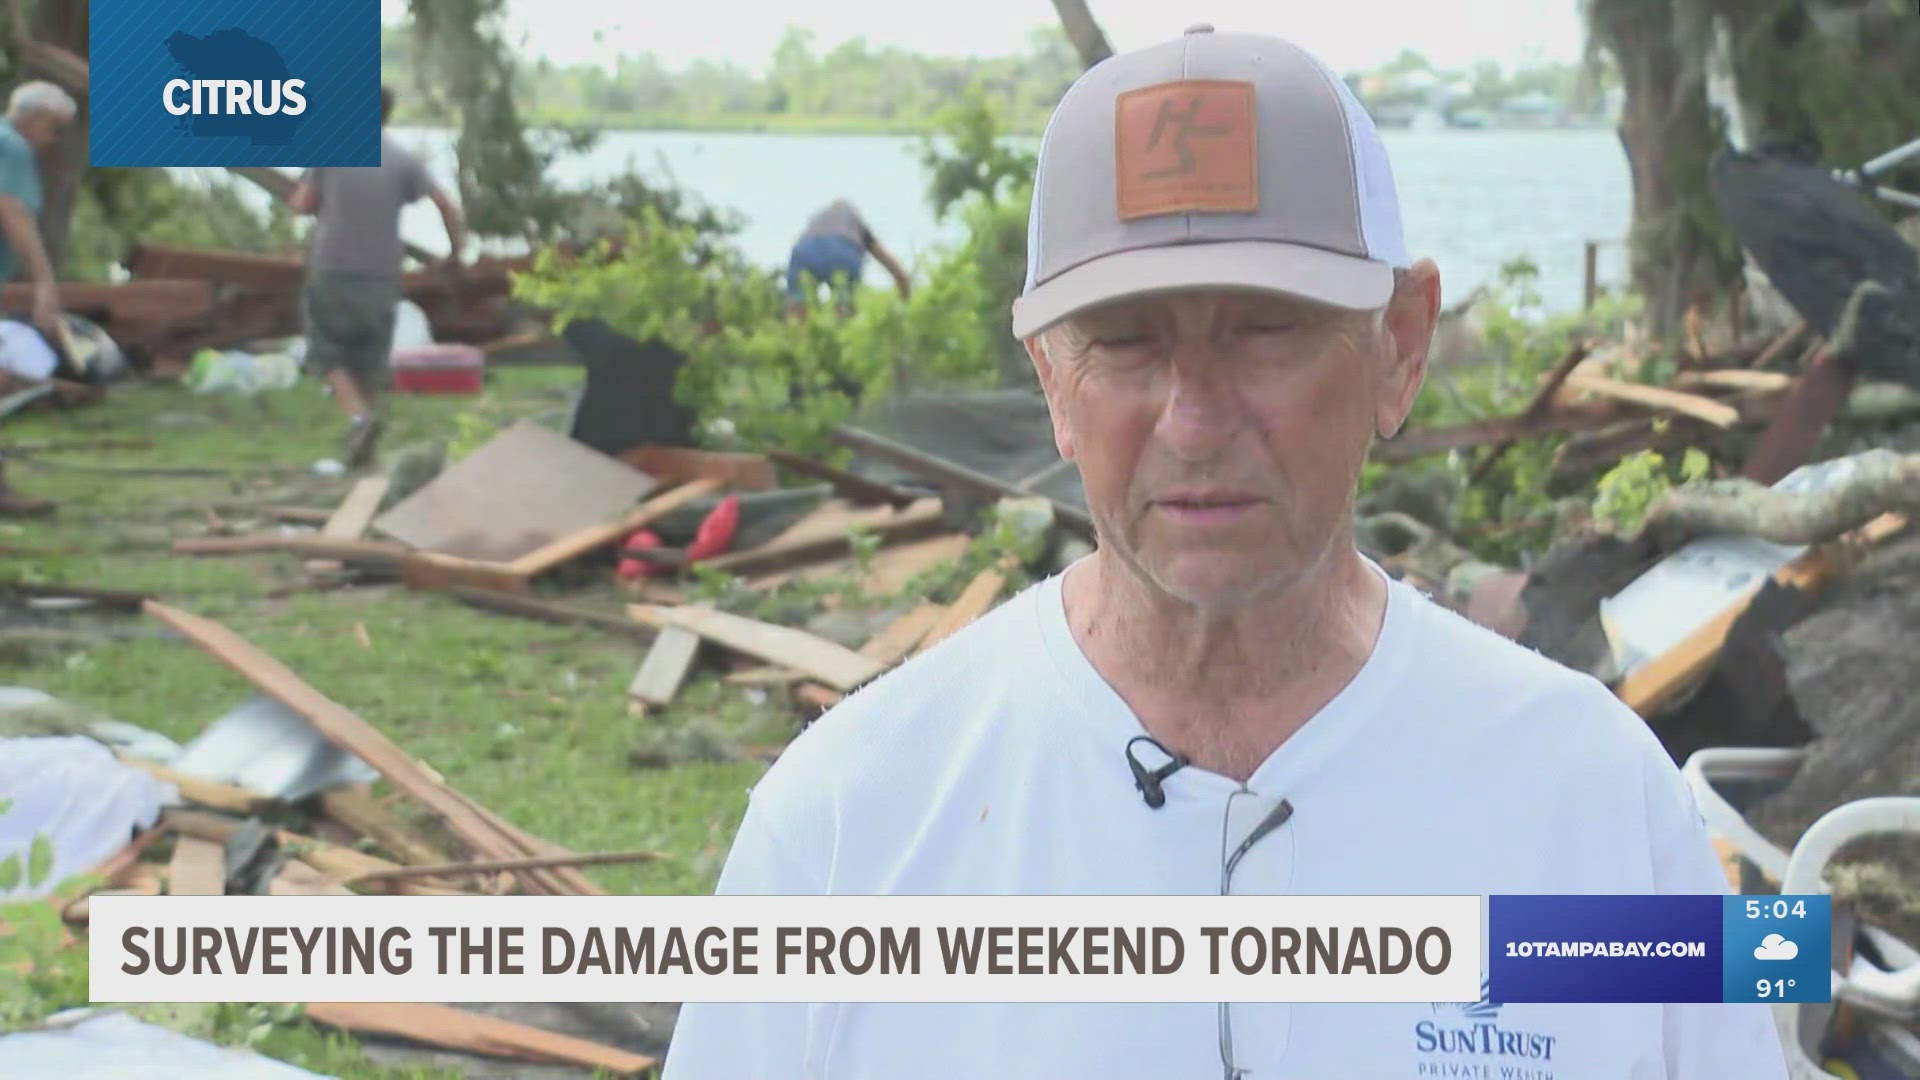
1049 386
1411 316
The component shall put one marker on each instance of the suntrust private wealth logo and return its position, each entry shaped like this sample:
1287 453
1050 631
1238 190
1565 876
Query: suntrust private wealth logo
235 82
1468 1040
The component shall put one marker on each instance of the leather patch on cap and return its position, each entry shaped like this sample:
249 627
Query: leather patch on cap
1185 147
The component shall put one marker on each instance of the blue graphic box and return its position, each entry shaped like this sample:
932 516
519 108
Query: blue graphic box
234 82
1639 948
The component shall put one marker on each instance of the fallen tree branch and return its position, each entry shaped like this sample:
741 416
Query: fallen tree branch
1882 482
493 866
1537 407
1565 419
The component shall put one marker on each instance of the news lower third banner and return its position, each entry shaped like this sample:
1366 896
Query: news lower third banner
959 949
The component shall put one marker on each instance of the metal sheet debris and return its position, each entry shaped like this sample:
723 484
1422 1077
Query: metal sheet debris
90 1045
267 748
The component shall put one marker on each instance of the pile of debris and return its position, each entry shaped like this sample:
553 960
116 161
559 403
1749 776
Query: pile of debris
487 527
275 799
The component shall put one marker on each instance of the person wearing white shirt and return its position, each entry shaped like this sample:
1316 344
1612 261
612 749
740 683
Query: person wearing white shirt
1226 696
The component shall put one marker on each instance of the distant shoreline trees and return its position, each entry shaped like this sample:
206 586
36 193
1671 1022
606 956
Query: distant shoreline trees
858 87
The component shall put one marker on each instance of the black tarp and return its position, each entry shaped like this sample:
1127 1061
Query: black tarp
628 397
1817 239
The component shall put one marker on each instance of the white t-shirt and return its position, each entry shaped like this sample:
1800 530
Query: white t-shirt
1455 762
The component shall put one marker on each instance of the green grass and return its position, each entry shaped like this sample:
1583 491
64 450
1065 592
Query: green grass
528 719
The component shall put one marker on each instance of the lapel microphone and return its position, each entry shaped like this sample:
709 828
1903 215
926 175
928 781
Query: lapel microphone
1150 781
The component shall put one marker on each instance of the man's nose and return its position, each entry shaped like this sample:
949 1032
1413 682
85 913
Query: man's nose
1201 410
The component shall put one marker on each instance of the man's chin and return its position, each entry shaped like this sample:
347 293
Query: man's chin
1217 577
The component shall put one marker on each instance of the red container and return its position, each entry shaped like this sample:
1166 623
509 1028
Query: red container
439 369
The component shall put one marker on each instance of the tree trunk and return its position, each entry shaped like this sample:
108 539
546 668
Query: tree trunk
65 25
1085 34
1667 132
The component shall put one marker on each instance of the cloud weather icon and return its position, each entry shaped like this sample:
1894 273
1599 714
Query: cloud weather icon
1775 947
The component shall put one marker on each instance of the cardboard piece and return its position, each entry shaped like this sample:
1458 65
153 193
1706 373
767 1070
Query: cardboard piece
524 489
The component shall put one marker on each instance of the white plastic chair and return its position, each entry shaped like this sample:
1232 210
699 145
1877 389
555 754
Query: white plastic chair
1890 998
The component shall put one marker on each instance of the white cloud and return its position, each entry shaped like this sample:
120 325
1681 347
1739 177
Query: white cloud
1775 947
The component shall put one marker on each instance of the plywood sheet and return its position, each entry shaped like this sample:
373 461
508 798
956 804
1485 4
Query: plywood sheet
526 488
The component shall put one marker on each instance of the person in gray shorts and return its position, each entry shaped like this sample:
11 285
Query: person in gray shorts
353 273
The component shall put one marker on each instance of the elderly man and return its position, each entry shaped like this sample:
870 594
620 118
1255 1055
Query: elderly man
1226 696
37 114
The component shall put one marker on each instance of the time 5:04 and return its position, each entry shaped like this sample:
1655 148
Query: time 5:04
1778 909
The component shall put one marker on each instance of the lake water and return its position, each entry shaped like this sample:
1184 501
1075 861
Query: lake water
1471 200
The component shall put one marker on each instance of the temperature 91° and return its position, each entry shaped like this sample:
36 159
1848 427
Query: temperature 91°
1774 987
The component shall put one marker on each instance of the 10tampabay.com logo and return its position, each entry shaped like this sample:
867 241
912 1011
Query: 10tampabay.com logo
234 82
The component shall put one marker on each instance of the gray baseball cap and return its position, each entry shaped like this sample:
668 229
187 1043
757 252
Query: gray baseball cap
1216 160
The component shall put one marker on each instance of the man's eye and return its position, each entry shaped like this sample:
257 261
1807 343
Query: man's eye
1121 341
1269 327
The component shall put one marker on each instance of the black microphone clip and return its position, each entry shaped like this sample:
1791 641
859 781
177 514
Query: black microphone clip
1149 781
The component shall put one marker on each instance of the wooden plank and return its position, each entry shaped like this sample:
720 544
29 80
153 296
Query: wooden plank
826 535
1657 681
1729 857
820 697
1780 344
578 543
155 301
458 1029
117 599
493 866
519 492
665 667
357 510
350 520
419 569
830 663
208 793
1735 379
831 516
892 567
898 638
1717 413
296 878
974 601
331 858
762 675
198 868
558 614
680 465
356 551
79 910
342 727
358 811
434 572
